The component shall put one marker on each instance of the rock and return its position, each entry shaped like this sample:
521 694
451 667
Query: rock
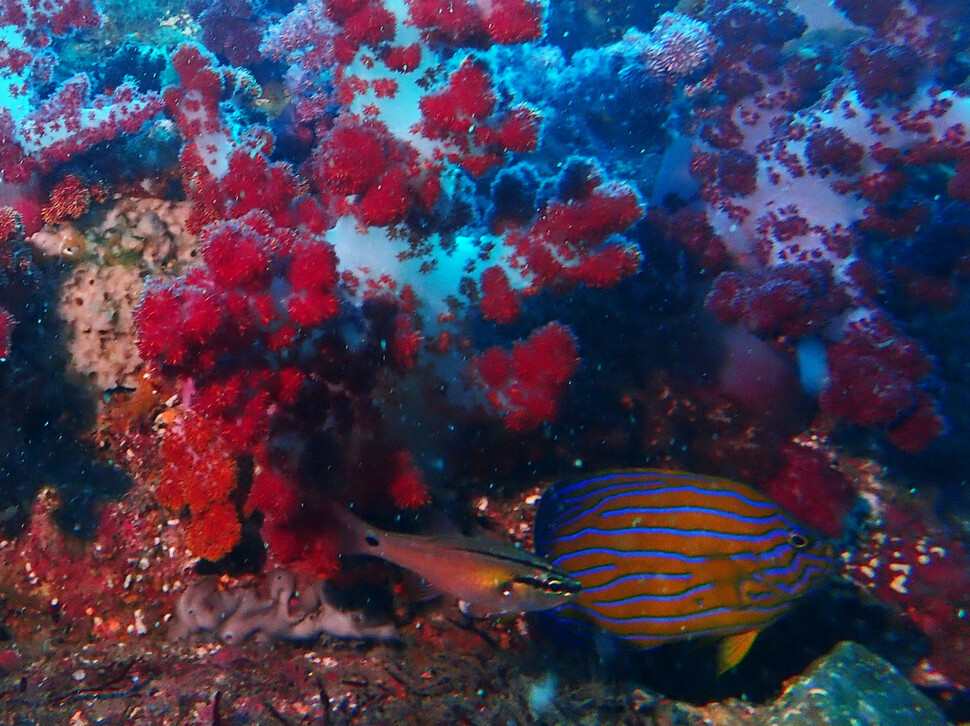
852 686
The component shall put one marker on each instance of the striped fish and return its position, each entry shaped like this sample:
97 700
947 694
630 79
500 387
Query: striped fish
664 556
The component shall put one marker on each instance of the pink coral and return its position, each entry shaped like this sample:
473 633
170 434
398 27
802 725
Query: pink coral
57 17
305 37
46 135
830 148
794 171
226 171
677 46
45 127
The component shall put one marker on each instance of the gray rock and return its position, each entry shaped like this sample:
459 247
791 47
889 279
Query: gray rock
853 687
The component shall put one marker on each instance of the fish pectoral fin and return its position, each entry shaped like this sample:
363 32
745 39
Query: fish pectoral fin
732 650
417 588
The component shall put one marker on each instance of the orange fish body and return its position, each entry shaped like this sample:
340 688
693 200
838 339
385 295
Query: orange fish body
664 556
489 577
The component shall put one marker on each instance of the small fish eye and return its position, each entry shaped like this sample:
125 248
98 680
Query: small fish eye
798 540
371 540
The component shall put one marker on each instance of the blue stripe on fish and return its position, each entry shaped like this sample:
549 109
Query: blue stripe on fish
635 576
668 554
634 531
773 612
647 598
579 507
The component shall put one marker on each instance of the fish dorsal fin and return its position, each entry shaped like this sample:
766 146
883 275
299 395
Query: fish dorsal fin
733 649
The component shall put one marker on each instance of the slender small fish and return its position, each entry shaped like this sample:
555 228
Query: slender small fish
664 556
488 576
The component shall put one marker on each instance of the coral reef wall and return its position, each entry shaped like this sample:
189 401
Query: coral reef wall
257 256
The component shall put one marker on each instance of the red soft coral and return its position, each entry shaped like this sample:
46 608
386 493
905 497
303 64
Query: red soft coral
403 59
407 487
525 384
387 201
295 532
570 244
6 328
479 23
811 489
200 475
352 160
875 374
175 321
363 158
499 301
463 114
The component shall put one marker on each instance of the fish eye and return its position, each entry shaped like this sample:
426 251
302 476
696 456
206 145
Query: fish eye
798 540
371 540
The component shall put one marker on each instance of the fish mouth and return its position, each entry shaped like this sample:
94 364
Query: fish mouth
556 586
